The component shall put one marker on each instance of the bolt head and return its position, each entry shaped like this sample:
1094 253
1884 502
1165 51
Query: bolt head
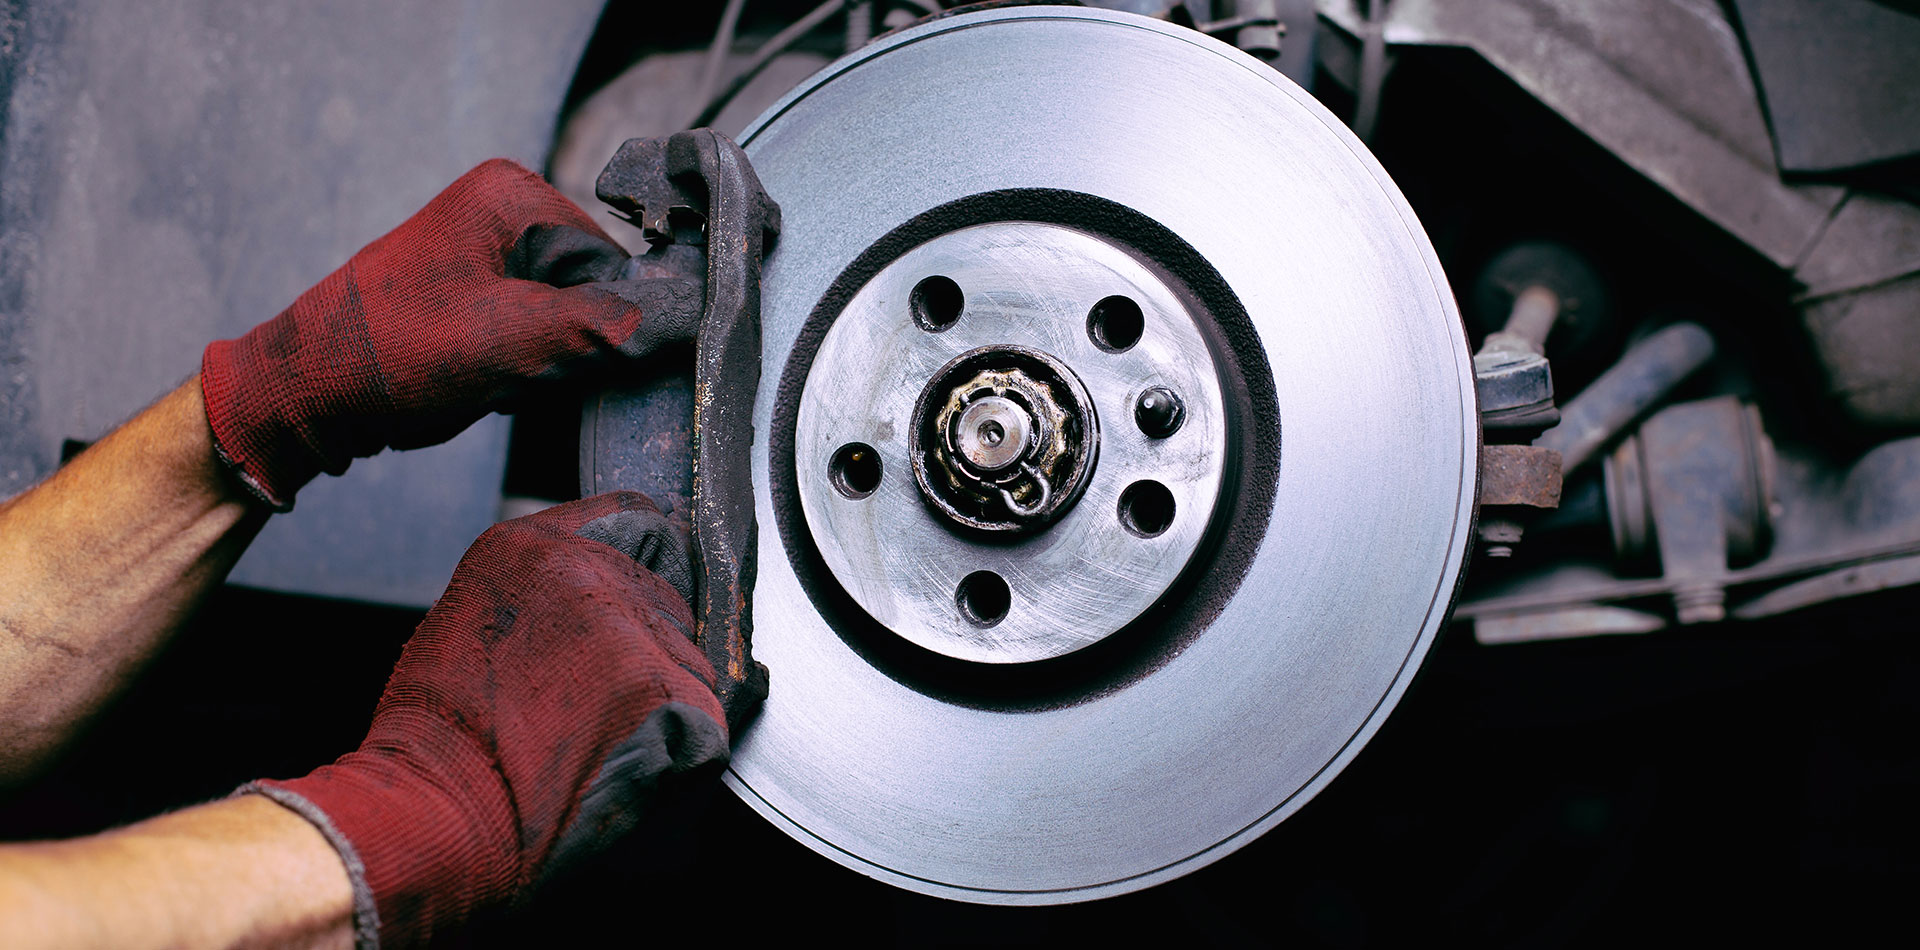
1159 412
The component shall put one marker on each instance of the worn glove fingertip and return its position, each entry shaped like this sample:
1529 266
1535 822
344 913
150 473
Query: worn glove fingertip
668 311
564 255
676 740
654 541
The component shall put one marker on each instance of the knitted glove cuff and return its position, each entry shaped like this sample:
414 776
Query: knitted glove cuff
366 913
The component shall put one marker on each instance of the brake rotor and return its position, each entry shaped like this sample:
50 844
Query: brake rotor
1117 463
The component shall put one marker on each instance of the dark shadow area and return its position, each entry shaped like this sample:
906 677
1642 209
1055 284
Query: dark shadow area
1732 784
258 685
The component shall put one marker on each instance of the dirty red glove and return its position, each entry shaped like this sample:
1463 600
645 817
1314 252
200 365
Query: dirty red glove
497 284
531 717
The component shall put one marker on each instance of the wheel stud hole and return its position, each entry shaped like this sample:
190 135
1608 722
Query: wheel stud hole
936 303
855 470
1146 508
983 598
1115 324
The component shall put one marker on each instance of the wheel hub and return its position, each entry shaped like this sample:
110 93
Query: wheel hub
987 408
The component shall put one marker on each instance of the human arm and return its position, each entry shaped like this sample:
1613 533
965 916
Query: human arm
102 561
497 288
243 872
534 714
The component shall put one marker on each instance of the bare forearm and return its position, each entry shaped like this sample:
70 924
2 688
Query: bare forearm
238 873
101 563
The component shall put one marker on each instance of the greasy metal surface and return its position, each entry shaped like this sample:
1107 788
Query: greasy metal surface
1077 580
177 171
1829 529
1636 383
992 433
1003 438
1841 79
1119 790
1519 475
699 184
1663 84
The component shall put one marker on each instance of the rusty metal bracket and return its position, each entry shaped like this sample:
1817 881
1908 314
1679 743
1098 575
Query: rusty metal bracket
697 187
1523 475
1516 482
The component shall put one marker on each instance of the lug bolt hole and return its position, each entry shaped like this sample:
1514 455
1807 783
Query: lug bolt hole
855 470
1115 324
1146 508
936 303
983 598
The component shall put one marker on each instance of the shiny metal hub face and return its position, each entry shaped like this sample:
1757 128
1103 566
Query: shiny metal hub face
1004 439
1321 557
989 426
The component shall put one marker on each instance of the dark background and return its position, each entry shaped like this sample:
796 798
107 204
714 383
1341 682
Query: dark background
1725 783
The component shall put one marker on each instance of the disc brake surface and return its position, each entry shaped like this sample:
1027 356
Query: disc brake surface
1133 686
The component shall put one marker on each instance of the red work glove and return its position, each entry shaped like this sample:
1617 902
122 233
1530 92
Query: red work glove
496 285
531 717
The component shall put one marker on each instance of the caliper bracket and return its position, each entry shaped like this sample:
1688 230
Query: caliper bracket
697 187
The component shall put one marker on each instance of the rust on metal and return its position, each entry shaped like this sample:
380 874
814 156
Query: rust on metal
1524 475
691 188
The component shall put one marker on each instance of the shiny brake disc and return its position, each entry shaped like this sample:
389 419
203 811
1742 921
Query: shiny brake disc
1116 455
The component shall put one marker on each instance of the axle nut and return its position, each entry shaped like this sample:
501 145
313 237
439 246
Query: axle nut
992 433
1005 439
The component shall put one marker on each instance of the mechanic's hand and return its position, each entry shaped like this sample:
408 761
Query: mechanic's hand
532 715
497 284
